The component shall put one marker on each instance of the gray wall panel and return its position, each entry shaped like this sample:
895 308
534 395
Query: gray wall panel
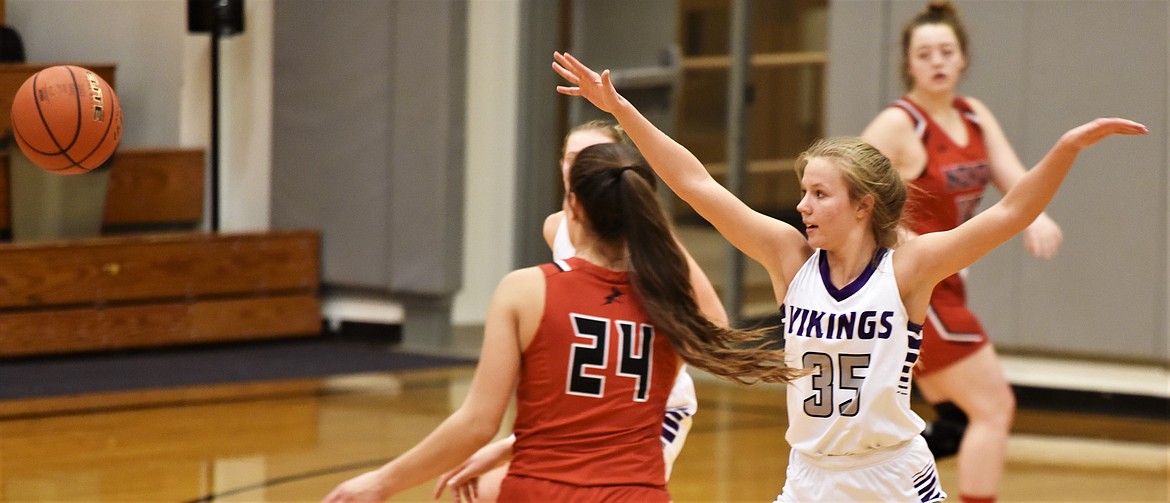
426 164
1044 67
367 135
331 132
856 87
1106 292
539 130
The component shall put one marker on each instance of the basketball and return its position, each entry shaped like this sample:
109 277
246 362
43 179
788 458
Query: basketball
66 120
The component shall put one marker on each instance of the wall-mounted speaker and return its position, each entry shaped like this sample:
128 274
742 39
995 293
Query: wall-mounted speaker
205 16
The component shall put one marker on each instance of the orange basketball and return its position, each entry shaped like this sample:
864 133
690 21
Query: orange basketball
66 120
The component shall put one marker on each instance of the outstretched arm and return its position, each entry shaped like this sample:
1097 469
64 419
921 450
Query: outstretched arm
769 241
478 419
1043 237
935 256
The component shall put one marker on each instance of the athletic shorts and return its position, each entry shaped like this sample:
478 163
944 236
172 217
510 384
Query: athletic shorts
675 427
676 424
527 489
952 332
905 472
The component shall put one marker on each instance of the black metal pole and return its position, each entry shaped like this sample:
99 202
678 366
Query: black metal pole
213 215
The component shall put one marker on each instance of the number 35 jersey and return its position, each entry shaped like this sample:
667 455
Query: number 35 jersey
594 383
860 348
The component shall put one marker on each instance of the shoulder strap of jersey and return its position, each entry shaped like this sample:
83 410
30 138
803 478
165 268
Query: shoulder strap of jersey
915 114
964 107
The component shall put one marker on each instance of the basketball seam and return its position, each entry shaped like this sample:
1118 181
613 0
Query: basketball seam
105 134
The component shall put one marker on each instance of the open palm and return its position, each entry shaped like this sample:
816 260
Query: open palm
597 88
1092 132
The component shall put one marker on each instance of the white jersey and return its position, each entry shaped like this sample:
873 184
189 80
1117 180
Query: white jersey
562 247
862 347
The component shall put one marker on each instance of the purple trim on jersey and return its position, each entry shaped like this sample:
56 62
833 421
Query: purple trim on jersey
840 294
914 346
915 116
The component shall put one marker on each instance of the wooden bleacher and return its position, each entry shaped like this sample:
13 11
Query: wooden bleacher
151 279
154 189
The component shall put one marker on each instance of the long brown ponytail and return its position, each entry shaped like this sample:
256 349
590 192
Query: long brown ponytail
616 190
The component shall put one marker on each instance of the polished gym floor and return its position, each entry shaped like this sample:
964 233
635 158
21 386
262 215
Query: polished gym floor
293 440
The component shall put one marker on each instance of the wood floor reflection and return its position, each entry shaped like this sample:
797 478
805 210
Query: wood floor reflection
294 440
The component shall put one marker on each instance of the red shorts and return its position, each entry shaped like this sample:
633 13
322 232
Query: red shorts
952 332
517 488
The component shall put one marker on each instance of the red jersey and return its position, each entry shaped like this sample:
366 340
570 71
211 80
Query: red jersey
955 176
952 186
594 383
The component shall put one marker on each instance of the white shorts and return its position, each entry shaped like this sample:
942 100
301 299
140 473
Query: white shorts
681 405
902 473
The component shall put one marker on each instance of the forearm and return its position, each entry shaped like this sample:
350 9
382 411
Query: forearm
447 446
1031 194
676 165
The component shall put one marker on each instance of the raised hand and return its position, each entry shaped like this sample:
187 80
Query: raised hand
1090 133
597 88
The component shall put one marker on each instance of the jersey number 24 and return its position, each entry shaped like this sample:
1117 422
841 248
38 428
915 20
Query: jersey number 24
633 355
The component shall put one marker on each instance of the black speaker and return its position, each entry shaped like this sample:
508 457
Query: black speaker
204 16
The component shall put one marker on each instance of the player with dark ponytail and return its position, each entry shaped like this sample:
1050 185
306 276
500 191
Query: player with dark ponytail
590 347
632 215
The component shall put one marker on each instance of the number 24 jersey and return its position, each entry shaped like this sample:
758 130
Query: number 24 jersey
594 383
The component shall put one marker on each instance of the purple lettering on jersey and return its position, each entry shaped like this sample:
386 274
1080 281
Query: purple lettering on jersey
864 325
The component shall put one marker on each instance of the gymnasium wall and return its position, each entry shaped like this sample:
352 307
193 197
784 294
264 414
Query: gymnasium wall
162 80
369 111
1044 67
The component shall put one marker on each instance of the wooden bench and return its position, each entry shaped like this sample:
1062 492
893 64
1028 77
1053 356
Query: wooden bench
157 289
154 189
137 286
135 289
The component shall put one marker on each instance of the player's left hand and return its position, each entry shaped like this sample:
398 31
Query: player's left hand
1096 130
1043 238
